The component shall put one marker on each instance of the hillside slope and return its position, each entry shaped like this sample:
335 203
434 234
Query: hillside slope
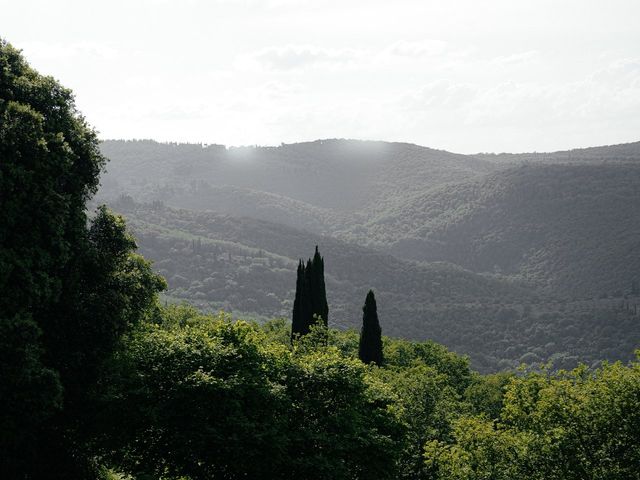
624 152
248 267
341 175
486 226
571 229
191 244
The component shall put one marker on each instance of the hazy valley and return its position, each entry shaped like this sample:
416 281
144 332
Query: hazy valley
506 258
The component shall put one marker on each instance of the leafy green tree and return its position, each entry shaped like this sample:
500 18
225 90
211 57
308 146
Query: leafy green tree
399 353
428 405
198 400
49 168
585 424
203 397
68 291
566 425
479 451
344 421
370 348
486 392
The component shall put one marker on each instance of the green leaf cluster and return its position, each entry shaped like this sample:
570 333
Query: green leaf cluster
205 397
566 425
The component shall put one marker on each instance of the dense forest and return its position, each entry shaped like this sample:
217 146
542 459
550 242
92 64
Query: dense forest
101 378
506 258
247 267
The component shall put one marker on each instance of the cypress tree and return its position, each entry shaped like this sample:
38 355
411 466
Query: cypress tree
320 306
371 334
307 303
296 320
311 296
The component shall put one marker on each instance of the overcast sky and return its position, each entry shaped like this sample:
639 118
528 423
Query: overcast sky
465 76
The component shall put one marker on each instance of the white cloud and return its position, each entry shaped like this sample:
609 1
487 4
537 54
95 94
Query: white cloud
64 51
295 57
440 94
300 57
417 49
515 58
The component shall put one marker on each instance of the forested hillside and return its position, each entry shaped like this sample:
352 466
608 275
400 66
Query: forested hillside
329 181
569 229
564 223
528 257
247 266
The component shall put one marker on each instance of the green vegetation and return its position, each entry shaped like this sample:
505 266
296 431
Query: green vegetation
508 258
202 397
569 425
69 290
347 176
198 396
567 230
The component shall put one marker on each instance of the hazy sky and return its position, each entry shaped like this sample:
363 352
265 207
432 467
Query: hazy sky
465 76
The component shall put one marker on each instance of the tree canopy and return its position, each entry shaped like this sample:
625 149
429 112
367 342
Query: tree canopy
68 290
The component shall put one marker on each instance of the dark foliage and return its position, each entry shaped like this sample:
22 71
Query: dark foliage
310 303
370 347
68 291
202 397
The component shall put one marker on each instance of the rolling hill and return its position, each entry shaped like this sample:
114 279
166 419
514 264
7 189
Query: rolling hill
247 267
507 258
341 176
568 229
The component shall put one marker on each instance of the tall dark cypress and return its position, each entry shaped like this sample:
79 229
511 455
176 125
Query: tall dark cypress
311 296
297 321
307 304
320 306
371 334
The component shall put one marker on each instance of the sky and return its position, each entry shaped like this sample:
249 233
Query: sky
461 75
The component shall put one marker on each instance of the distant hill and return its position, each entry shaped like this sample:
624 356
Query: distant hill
625 152
341 175
192 244
570 229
